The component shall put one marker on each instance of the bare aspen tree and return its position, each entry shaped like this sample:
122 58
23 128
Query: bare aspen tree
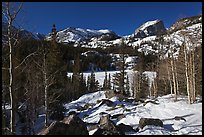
10 12
187 74
189 59
169 78
173 68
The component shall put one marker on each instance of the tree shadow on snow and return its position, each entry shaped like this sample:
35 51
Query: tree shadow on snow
179 116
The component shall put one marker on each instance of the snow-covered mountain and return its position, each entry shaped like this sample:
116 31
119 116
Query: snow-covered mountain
22 33
78 35
151 37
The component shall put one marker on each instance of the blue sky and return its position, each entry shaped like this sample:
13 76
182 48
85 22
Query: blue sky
120 17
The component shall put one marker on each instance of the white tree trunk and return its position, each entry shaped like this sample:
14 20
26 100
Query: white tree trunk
12 119
173 76
187 74
10 12
177 84
169 77
45 90
193 76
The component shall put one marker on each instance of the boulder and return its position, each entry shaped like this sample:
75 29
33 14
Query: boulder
179 118
125 128
107 127
71 125
107 102
100 131
149 121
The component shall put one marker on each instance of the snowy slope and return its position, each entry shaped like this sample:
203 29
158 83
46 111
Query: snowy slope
166 111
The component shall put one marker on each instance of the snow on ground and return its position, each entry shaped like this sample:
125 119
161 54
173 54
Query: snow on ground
166 110
101 75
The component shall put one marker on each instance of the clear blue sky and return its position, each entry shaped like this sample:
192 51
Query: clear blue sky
120 17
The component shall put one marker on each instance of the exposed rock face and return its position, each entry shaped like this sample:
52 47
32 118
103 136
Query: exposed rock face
185 22
108 37
71 125
150 28
107 127
149 121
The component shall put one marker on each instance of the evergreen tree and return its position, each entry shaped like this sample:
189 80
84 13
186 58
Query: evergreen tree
88 83
92 84
96 85
55 76
109 81
83 87
119 79
105 82
127 87
76 78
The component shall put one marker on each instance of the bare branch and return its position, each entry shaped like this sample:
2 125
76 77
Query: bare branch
25 59
55 73
18 10
38 65
5 68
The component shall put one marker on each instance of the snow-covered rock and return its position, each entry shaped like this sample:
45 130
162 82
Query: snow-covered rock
165 110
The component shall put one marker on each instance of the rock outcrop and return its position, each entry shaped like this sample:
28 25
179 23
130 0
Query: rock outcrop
150 28
107 127
71 125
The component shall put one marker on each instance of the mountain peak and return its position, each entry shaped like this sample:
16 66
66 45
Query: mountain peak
150 28
78 34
